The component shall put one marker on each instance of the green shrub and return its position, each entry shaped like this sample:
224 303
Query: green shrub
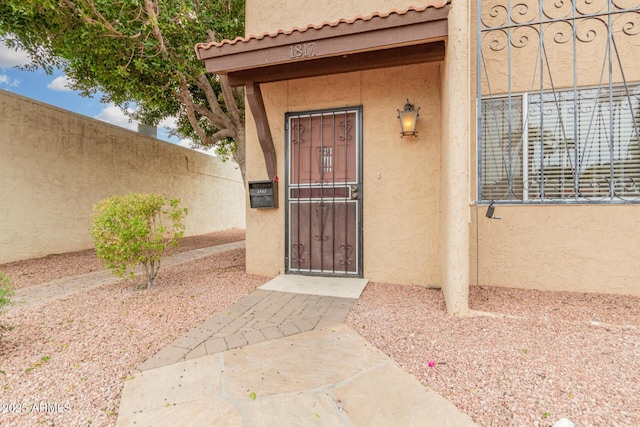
136 229
6 290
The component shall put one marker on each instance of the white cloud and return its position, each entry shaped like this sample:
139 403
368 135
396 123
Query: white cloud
8 81
186 143
60 84
114 115
10 57
168 123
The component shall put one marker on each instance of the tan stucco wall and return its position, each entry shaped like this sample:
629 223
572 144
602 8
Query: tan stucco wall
456 127
401 208
272 15
577 248
589 54
585 248
54 165
401 218
571 248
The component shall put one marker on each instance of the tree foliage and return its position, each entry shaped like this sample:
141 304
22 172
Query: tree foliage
136 229
142 52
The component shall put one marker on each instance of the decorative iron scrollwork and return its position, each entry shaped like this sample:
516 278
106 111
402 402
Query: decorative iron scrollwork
536 12
577 144
345 254
345 125
297 133
297 250
558 20
322 212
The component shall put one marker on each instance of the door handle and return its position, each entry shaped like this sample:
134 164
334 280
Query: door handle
354 192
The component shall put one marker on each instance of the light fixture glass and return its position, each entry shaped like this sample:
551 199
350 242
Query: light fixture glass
408 119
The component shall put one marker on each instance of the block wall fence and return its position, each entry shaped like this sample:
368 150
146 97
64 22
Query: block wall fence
55 165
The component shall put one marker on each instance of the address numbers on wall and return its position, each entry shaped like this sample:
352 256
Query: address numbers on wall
302 50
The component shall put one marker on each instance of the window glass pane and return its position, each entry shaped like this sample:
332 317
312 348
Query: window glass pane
583 147
551 132
501 154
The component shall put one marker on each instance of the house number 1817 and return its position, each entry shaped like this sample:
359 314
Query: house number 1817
302 50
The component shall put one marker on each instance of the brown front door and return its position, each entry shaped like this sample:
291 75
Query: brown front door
324 192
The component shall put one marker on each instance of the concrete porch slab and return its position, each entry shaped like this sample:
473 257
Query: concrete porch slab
341 287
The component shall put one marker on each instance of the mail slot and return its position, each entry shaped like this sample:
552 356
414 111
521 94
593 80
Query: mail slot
263 194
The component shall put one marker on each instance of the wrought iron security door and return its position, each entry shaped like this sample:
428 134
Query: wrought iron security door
324 192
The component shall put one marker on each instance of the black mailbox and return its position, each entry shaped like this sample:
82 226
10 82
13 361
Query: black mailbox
263 194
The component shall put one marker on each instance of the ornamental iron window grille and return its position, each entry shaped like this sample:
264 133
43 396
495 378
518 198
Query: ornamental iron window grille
559 104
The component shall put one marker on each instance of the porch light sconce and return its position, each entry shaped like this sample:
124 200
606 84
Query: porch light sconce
408 119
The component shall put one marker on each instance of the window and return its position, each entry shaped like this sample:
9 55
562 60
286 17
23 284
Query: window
579 146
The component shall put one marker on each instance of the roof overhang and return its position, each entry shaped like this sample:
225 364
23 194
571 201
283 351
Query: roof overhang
396 38
412 36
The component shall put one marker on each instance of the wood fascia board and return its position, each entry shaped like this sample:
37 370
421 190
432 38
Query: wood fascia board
312 34
407 55
394 30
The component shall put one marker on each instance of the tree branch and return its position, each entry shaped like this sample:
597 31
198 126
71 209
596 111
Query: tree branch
203 111
230 100
192 108
153 12
188 104
224 133
204 84
101 19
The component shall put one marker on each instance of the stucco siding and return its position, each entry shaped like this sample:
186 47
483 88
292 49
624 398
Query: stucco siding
420 219
54 165
273 15
564 248
400 175
401 207
581 248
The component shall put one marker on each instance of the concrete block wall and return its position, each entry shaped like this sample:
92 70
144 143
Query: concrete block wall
55 165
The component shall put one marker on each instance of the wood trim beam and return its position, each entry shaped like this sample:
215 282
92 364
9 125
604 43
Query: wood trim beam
418 21
309 49
256 104
412 37
408 55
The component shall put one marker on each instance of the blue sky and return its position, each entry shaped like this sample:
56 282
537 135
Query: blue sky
52 89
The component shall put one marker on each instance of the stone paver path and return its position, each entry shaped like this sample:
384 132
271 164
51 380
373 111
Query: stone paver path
277 358
260 316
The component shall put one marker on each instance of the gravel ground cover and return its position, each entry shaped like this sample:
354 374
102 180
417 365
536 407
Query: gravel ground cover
71 357
555 355
39 270
560 355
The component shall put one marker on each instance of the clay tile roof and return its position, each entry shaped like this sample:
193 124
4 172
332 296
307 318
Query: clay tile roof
436 4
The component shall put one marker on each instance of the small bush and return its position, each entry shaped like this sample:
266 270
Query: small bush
136 229
6 292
